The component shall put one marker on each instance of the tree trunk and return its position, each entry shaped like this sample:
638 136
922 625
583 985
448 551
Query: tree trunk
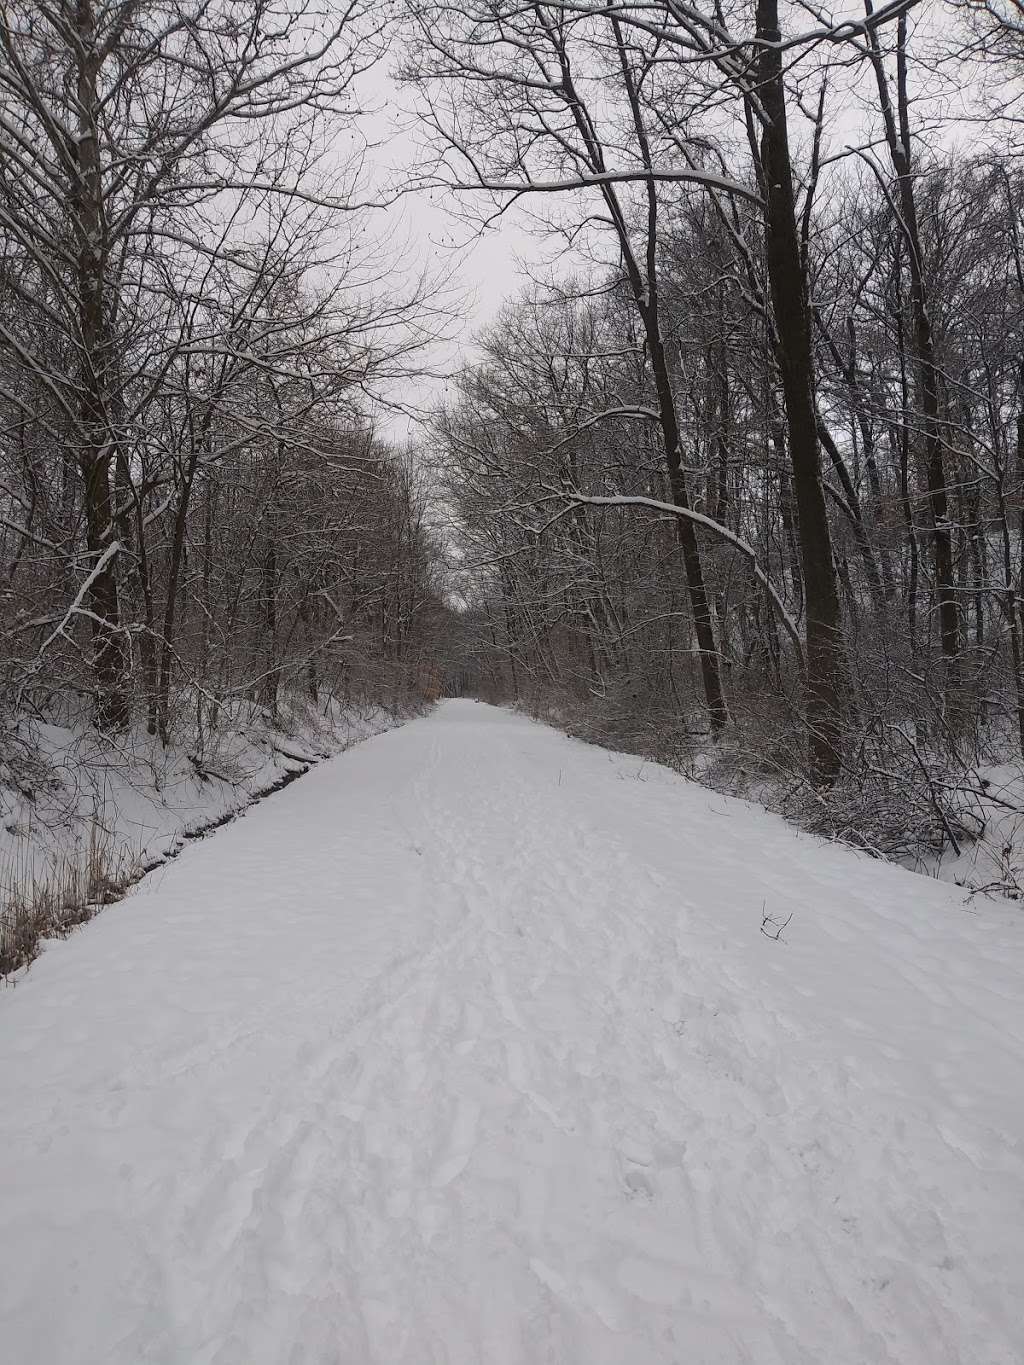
644 286
828 683
110 658
898 139
710 664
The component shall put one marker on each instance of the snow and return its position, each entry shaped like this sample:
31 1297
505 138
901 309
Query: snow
468 1047
991 801
147 800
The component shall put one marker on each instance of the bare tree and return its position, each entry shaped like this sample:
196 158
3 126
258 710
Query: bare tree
194 292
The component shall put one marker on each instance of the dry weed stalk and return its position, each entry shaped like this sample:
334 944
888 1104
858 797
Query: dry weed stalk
48 901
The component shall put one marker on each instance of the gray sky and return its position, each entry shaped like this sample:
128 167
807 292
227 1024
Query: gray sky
422 229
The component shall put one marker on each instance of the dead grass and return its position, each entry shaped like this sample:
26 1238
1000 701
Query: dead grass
48 900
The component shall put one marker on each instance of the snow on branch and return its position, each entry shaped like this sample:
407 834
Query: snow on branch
708 179
717 529
76 607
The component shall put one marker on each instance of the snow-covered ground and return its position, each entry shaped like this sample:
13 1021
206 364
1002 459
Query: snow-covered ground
66 789
469 1047
992 800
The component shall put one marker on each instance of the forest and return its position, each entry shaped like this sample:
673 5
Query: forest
734 479
511 682
196 504
741 484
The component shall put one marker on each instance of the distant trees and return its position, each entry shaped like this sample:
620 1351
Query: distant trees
751 461
188 323
548 106
836 342
568 99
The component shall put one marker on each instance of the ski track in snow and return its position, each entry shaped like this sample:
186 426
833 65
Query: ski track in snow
468 1048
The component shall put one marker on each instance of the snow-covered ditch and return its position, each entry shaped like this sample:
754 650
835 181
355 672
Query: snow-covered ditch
83 817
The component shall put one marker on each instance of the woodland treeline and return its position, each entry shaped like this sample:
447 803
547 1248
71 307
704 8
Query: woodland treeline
194 507
744 466
756 470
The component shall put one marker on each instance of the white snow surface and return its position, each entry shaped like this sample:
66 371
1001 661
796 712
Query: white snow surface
147 800
468 1047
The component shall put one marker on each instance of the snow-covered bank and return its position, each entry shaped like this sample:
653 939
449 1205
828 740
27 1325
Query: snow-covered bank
958 818
470 1048
65 791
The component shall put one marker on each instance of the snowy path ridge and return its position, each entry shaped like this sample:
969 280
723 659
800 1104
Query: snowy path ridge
468 1048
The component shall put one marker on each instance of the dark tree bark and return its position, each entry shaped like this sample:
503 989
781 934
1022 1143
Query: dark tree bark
897 135
644 287
111 658
827 675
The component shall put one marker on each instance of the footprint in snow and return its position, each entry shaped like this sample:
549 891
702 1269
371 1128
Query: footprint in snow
638 1185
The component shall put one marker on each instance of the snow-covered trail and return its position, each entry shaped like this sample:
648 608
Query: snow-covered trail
468 1048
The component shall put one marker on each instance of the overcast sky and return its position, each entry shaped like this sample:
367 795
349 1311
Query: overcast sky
485 268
